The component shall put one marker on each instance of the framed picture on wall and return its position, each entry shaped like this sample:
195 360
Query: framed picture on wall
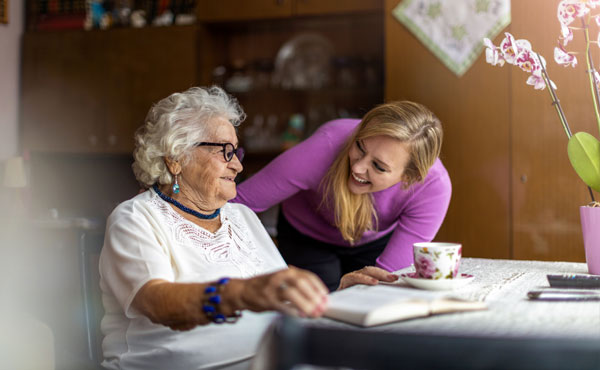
3 11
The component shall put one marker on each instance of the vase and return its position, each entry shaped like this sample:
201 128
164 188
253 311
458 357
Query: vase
590 226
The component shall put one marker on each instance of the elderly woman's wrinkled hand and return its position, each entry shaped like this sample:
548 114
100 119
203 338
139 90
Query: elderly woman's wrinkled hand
368 275
293 291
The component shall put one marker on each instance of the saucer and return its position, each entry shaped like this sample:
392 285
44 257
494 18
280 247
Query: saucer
440 284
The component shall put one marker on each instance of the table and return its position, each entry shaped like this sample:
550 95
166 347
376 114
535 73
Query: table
514 332
503 285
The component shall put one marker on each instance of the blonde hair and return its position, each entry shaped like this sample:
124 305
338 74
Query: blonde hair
174 125
409 123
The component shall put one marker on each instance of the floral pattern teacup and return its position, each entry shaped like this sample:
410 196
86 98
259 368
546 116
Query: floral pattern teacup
437 260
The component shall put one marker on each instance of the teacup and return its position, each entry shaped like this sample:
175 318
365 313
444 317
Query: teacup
436 261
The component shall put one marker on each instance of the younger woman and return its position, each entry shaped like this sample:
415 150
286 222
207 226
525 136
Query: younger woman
357 192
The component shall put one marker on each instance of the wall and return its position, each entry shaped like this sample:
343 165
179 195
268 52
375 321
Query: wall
515 194
476 143
10 36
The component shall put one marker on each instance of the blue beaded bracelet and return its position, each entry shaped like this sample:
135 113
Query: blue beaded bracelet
210 306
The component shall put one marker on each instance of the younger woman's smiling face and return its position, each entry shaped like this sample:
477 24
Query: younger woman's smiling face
376 163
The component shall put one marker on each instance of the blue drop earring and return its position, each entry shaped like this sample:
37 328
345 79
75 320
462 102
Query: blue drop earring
175 186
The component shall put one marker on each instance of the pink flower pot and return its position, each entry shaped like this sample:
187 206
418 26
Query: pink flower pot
590 226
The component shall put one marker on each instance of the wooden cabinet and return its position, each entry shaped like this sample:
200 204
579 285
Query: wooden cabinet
235 10
244 57
87 92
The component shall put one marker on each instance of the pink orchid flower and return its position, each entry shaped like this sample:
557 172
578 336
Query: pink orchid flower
508 47
492 53
593 3
528 62
538 82
511 48
518 52
562 57
568 10
567 34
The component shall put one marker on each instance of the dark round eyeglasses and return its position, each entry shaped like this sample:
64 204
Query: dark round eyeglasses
228 150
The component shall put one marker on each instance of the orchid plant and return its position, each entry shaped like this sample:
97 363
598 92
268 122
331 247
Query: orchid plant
583 149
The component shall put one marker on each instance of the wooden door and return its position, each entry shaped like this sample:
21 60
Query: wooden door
321 7
475 115
228 10
143 66
546 191
87 92
60 102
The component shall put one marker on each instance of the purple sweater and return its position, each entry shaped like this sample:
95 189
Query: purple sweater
293 179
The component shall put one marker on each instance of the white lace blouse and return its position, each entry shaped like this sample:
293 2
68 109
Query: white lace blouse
146 239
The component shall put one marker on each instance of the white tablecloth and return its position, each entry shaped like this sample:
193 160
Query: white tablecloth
503 285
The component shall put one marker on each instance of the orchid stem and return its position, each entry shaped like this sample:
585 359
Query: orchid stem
559 110
591 69
555 101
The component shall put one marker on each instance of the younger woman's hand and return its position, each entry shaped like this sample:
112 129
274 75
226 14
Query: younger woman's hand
368 275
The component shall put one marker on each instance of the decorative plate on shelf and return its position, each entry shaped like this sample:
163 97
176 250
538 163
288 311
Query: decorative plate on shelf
304 62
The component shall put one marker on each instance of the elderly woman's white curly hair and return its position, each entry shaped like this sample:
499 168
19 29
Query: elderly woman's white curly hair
174 125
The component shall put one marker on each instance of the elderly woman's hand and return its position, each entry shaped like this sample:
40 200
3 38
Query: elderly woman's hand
368 275
179 305
293 291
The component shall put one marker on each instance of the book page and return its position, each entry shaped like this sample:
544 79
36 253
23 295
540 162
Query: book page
379 304
373 305
364 298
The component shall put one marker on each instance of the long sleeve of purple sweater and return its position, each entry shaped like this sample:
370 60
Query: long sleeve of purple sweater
294 178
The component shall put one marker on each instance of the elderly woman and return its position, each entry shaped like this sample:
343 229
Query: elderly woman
178 258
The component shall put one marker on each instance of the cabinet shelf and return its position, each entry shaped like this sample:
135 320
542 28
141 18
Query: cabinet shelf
130 30
300 93
243 10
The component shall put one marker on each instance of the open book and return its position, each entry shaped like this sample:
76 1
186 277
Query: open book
365 305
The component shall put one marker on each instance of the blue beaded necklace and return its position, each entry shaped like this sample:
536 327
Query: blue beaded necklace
184 208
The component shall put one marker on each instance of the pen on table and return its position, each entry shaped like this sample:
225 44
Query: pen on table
564 295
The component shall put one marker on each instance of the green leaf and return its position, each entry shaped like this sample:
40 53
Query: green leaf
584 154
